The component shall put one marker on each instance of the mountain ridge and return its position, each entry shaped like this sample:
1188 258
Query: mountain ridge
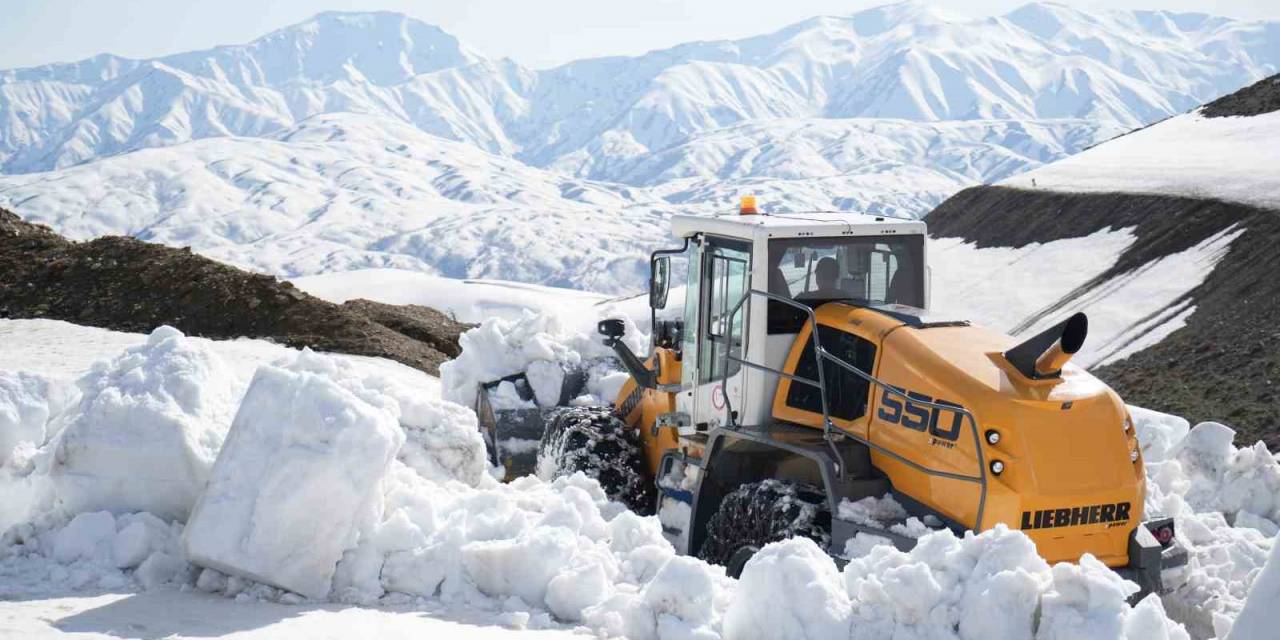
905 61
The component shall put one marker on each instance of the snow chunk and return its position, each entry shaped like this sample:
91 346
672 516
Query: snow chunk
947 583
443 442
148 428
872 511
31 408
1224 478
301 466
790 589
1158 433
84 536
540 346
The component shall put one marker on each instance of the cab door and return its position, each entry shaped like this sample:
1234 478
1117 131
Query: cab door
724 279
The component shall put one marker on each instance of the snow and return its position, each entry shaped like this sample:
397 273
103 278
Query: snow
1234 159
993 286
466 300
543 347
1127 313
1224 501
1158 433
183 615
299 441
32 409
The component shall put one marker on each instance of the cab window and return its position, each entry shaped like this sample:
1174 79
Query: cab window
863 270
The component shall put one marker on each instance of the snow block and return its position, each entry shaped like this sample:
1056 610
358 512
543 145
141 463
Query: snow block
148 428
1260 617
301 469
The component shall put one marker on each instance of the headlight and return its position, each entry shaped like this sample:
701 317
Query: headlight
997 467
993 436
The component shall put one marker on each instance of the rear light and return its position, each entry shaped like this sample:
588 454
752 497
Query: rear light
1162 530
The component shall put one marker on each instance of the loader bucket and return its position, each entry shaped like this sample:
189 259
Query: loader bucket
512 436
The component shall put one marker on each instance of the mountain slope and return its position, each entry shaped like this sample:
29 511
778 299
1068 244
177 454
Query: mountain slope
1178 280
344 191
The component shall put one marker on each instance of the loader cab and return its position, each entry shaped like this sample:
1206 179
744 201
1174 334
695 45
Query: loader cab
809 258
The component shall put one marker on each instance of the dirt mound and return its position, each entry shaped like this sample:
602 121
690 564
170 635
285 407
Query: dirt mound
128 285
1256 99
1224 364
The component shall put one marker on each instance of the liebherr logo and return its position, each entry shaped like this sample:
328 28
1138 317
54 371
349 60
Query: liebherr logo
1075 516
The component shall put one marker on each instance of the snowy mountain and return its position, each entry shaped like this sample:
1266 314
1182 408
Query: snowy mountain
889 110
905 61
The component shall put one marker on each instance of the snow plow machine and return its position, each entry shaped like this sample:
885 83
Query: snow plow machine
804 376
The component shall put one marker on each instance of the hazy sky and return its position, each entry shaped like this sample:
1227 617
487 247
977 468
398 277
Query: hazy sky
536 33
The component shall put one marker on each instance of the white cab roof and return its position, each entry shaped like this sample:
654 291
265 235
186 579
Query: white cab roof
792 225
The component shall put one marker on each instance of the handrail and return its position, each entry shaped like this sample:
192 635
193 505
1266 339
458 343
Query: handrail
820 355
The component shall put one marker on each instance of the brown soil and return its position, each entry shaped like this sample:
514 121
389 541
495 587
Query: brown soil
125 284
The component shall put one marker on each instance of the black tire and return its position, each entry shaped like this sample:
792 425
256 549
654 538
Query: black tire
594 441
756 514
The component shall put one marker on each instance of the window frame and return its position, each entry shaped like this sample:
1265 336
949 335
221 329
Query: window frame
708 370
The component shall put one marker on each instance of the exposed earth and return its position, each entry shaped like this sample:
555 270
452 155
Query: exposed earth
129 285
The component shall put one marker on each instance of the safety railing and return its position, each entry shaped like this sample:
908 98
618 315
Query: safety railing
821 355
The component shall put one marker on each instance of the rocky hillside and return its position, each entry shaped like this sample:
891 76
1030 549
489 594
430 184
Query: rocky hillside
128 285
1224 363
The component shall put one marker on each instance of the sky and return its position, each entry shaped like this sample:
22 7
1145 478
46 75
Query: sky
535 33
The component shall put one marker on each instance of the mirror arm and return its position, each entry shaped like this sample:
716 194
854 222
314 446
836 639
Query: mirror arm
644 377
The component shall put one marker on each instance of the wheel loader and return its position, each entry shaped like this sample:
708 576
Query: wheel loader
804 376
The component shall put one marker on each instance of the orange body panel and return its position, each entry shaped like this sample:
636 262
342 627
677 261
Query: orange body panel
645 409
1065 442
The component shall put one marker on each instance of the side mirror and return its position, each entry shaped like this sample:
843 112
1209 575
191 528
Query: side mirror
660 282
613 328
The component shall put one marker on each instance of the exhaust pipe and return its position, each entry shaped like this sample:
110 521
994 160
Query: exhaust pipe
1044 354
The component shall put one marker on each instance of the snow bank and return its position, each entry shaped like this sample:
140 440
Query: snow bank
301 465
542 347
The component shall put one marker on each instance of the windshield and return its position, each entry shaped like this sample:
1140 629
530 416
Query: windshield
877 270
